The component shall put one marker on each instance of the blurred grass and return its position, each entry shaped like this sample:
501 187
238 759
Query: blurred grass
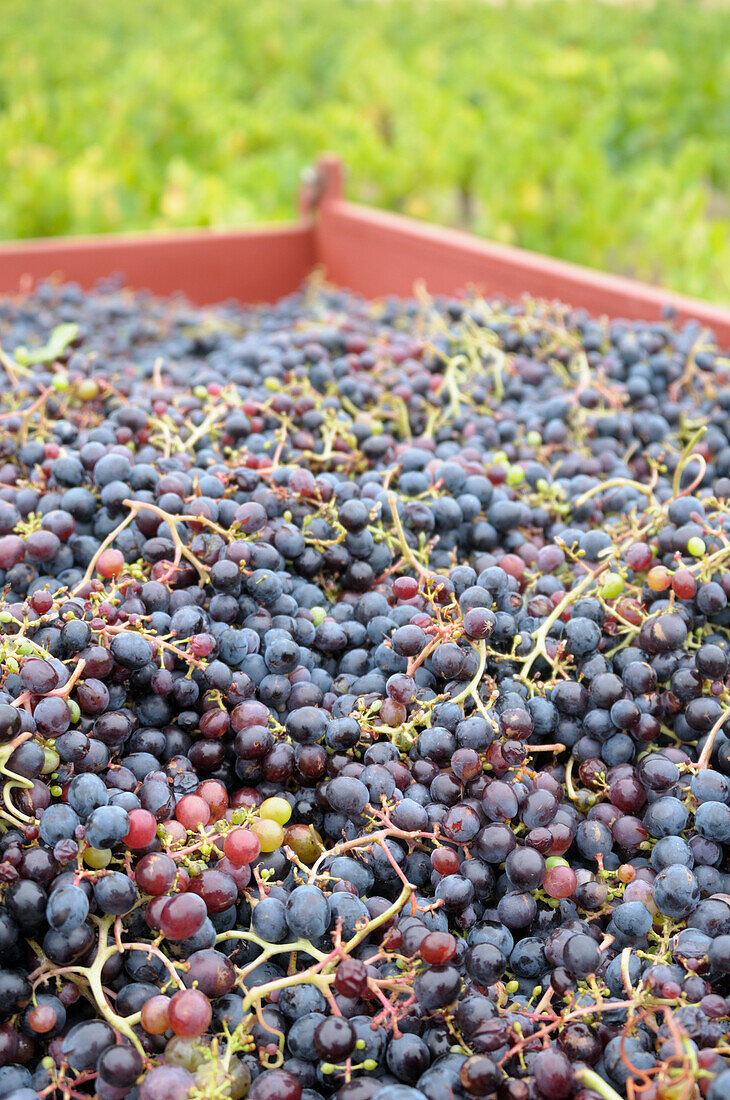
598 133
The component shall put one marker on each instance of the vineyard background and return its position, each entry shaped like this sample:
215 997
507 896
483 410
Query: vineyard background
591 131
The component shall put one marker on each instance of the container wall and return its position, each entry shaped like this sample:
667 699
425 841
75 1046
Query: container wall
258 265
368 251
375 253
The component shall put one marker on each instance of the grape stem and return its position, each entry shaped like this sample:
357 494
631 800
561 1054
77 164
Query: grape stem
91 975
472 686
592 1081
704 758
407 552
11 814
625 973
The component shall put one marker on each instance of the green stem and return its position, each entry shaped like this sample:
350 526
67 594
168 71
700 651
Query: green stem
592 1081
541 633
93 976
471 687
686 457
407 552
261 992
391 911
572 794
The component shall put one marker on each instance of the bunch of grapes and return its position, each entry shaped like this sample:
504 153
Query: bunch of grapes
364 680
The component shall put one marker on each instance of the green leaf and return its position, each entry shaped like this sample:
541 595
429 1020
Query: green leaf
60 338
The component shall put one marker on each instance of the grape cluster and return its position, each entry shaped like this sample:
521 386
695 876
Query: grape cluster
365 669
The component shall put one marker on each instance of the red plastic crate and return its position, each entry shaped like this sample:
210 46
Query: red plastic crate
365 250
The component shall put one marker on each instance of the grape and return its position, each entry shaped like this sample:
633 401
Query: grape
268 833
47 1017
269 920
633 920
107 826
155 1016
120 1066
675 891
115 893
334 1038
85 1042
485 963
58 823
408 1057
166 1083
349 912
155 874
347 795
553 1074
182 916
712 820
307 912
479 1075
350 977
437 987
560 882
87 793
275 1084
189 1013
525 868
67 908
438 948
211 972
581 956
10 720
217 889
142 829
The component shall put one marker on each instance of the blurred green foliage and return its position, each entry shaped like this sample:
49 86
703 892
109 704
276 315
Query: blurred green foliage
594 132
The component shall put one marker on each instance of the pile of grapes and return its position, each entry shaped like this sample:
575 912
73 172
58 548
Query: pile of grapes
364 672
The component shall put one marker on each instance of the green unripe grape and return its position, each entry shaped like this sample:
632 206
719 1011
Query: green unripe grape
97 857
75 709
88 389
515 475
50 762
187 1053
275 809
318 615
696 546
240 1079
556 861
533 439
613 585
